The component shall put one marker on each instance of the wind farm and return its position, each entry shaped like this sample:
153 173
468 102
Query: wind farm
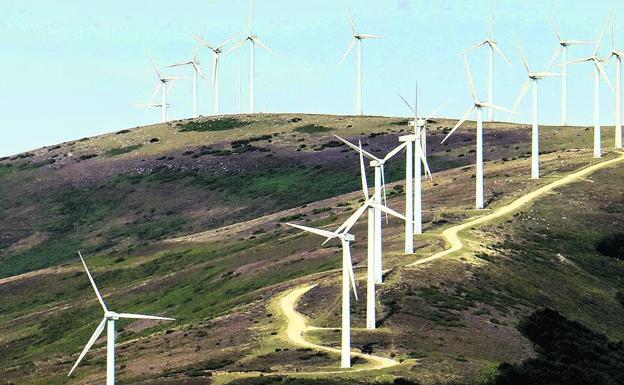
403 242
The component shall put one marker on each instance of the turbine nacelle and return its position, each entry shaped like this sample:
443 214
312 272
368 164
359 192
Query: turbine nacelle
111 315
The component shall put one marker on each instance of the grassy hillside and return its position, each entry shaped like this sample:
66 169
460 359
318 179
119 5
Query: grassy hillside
187 220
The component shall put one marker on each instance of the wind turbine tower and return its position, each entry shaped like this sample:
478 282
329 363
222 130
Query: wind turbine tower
478 106
493 46
253 39
108 322
357 43
532 81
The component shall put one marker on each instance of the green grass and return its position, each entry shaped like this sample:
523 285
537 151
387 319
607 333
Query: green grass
123 150
220 124
312 129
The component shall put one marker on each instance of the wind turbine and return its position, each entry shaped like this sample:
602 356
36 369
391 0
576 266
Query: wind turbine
493 46
416 157
109 322
164 88
478 106
563 50
617 54
253 40
375 243
342 233
532 81
598 71
357 41
217 50
196 70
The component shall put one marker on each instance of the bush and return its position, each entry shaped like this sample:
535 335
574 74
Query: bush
568 353
612 246
222 124
312 129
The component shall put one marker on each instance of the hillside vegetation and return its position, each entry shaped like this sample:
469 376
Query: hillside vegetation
187 220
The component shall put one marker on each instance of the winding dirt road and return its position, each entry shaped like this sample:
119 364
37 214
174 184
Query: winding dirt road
451 235
297 324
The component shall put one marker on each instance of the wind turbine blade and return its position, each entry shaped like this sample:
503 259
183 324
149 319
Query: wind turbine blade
350 222
199 70
479 45
406 103
363 172
604 74
195 50
496 107
92 340
383 189
423 159
602 32
395 151
499 52
580 42
524 59
351 22
240 43
581 60
180 64
470 81
142 316
554 58
347 251
388 210
229 39
613 49
369 36
349 48
158 86
547 74
204 42
261 44
436 110
554 23
461 121
322 233
366 153
97 292
154 65
523 92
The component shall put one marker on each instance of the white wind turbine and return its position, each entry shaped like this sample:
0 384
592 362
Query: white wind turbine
532 81
416 157
372 205
217 50
357 41
563 50
375 243
164 88
342 233
253 40
196 70
598 72
478 106
108 321
493 46
617 54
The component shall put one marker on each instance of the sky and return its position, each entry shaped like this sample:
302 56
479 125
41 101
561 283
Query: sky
74 68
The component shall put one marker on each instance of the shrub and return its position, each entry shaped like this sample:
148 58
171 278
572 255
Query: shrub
221 124
612 246
312 129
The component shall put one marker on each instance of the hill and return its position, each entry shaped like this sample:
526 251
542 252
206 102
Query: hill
186 219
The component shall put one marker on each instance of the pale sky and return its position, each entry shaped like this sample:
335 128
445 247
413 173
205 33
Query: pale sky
75 68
